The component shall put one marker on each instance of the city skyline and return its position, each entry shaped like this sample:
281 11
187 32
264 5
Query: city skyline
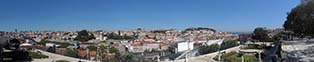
223 15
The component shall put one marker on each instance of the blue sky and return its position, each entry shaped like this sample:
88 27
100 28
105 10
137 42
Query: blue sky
223 15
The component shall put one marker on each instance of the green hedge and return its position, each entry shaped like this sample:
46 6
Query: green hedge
37 55
254 47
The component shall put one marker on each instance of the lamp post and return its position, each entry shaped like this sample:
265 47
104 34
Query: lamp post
158 58
242 58
259 57
87 54
219 53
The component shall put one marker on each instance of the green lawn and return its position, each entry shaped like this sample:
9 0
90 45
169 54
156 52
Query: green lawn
37 55
236 57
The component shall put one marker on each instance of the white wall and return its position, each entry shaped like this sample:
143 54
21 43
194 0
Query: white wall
183 46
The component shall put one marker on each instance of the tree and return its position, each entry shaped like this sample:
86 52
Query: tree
128 57
84 36
92 48
301 19
117 56
113 50
261 34
228 44
209 49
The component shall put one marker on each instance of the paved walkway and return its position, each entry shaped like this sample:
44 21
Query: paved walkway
205 58
55 57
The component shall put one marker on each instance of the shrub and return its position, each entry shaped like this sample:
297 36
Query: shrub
37 55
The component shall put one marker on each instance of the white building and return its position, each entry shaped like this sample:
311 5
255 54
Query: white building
218 41
183 46
150 47
51 45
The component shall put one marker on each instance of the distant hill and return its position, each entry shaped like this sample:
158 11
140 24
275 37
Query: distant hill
199 28
240 32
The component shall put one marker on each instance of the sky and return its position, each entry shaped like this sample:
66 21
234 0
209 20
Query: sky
223 15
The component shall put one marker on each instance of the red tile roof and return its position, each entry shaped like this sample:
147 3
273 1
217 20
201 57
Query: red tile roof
84 53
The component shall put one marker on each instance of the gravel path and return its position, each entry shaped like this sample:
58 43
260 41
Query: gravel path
54 57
